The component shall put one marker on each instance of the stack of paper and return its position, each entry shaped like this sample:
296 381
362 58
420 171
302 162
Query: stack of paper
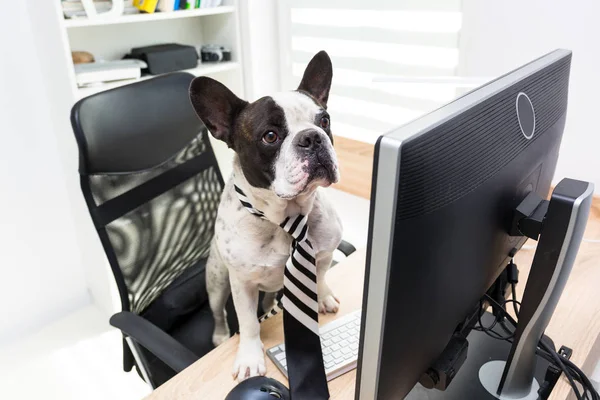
74 8
107 71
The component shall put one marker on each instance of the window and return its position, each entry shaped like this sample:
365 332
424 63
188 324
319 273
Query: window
370 40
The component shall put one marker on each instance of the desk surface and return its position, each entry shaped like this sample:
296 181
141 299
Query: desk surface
576 323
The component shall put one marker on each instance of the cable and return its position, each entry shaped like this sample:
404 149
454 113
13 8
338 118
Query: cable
557 359
576 373
571 371
481 311
511 334
579 376
515 304
498 320
513 288
584 379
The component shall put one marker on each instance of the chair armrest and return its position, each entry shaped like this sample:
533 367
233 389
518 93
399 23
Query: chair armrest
346 248
155 340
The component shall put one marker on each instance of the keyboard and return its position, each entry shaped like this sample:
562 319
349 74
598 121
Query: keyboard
339 342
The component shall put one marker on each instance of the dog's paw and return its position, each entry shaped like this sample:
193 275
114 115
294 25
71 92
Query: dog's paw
221 331
250 360
329 304
220 337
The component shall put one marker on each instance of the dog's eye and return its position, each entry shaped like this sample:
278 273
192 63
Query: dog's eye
270 137
325 122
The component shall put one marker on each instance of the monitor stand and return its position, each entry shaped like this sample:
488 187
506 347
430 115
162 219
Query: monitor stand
495 369
560 224
466 385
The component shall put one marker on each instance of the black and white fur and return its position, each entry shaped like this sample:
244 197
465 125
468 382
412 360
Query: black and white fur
281 179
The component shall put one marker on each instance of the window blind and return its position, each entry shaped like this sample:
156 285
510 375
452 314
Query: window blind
368 39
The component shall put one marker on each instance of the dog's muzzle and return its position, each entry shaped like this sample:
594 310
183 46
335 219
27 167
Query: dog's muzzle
316 148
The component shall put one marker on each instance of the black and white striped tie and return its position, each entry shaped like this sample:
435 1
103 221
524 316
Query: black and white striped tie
306 372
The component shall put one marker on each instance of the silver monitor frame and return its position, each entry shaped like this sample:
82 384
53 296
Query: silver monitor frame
384 213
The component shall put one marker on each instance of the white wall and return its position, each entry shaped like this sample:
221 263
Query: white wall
41 277
260 56
50 40
499 36
260 47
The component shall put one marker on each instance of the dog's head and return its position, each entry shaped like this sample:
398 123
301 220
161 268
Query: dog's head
283 142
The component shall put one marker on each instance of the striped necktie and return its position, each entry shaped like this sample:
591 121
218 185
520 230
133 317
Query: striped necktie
306 372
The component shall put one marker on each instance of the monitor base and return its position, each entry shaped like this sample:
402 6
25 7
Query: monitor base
466 384
490 374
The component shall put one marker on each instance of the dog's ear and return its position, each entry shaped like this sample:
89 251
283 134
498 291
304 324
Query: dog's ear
317 78
216 106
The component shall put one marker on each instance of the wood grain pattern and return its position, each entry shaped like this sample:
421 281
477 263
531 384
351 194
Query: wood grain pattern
576 323
210 377
356 166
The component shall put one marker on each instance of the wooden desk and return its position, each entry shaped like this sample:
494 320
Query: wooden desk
576 323
355 160
210 377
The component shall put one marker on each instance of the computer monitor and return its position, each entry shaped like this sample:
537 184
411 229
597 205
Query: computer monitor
445 188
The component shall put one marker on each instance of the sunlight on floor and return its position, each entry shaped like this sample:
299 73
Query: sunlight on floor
78 357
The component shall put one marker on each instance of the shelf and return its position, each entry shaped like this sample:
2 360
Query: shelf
158 16
202 69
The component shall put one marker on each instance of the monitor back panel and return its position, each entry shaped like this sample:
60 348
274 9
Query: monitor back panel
459 183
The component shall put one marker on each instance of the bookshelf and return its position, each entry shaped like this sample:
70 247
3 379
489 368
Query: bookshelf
110 39
49 79
201 70
159 16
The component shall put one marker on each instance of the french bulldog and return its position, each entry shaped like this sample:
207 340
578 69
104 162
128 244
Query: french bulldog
283 155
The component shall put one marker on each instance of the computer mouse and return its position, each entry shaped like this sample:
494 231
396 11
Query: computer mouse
259 388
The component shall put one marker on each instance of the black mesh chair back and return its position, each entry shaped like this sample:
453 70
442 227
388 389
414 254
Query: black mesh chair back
152 184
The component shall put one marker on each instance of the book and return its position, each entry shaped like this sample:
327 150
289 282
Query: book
166 5
148 6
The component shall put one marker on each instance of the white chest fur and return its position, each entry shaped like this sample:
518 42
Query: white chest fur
256 250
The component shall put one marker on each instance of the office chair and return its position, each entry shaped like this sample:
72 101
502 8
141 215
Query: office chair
152 184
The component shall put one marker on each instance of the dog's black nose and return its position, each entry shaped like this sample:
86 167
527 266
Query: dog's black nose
308 139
